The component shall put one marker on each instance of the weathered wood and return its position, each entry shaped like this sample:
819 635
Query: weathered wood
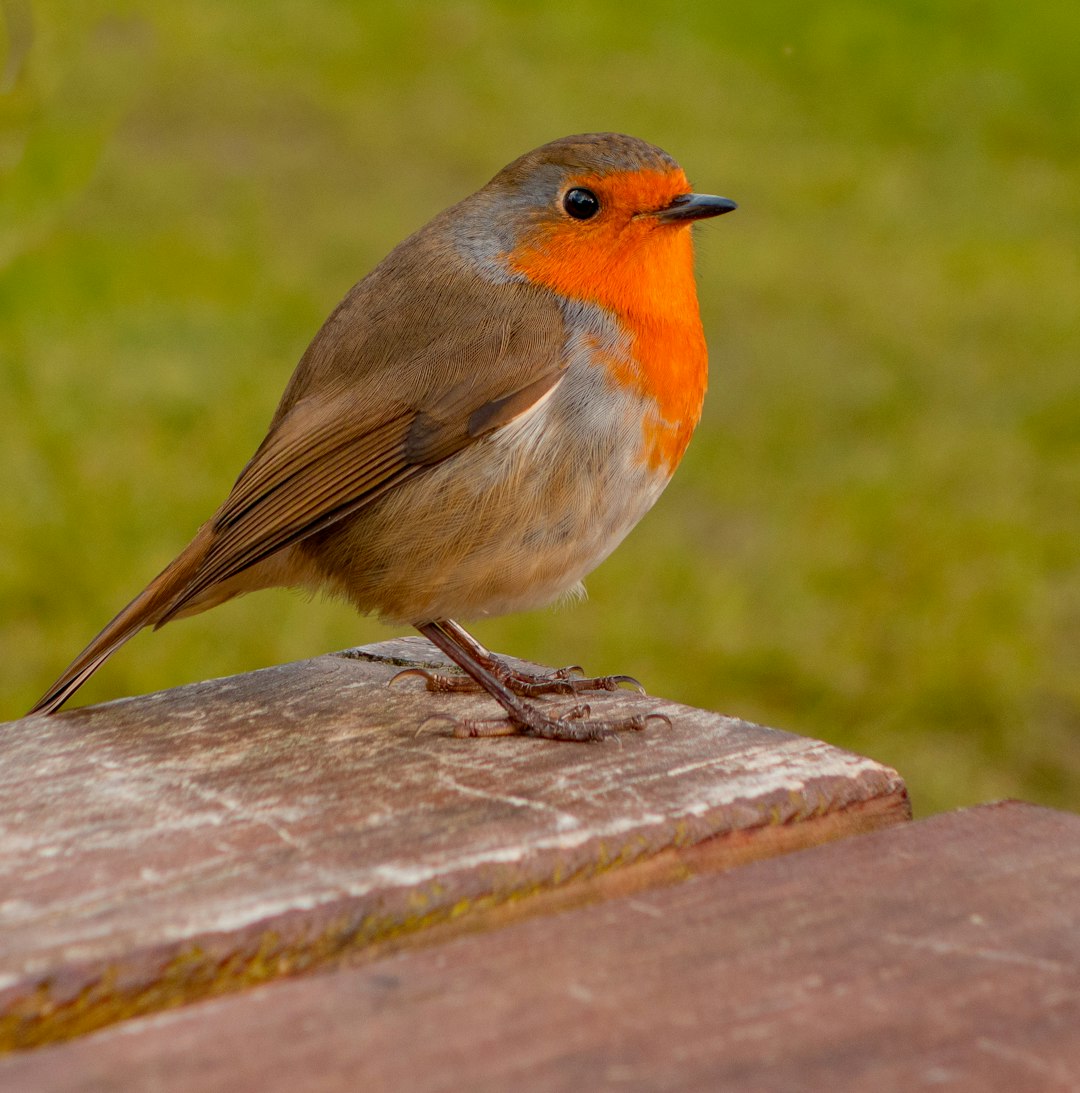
942 954
165 848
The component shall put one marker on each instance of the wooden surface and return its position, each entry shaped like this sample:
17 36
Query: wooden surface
166 848
938 955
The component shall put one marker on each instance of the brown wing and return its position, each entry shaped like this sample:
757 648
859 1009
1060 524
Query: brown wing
362 423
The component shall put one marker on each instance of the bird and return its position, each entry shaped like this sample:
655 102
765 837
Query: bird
477 425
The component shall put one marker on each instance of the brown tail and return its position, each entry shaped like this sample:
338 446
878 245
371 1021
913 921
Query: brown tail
148 608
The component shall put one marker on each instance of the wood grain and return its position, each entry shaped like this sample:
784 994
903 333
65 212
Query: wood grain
938 955
165 848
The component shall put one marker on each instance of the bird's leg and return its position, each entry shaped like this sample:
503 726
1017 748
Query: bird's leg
521 717
560 681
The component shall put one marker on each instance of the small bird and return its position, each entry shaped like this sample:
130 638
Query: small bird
477 425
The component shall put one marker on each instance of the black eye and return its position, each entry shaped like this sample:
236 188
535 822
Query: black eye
581 204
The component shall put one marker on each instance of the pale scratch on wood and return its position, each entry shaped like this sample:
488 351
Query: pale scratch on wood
644 908
999 956
564 821
1036 1064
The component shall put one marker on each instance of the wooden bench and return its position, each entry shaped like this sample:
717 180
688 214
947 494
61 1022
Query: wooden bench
505 913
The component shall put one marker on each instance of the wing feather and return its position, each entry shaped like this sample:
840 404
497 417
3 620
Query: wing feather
326 457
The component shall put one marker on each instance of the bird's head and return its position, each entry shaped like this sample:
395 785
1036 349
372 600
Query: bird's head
600 217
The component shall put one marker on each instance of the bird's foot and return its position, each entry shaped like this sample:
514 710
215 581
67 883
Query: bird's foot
560 681
508 686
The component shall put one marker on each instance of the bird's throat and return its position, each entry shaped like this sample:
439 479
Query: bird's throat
645 282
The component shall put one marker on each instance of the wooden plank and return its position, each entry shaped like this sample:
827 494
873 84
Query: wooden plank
184 844
942 954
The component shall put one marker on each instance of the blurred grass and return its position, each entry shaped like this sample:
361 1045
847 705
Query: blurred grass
874 537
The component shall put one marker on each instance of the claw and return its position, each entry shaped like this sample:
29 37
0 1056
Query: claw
434 717
422 672
618 681
435 682
577 713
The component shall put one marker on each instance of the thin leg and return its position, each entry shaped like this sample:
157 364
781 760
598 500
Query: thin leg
522 717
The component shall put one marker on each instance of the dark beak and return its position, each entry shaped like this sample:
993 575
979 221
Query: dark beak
688 207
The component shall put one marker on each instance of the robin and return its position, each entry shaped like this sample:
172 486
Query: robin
477 425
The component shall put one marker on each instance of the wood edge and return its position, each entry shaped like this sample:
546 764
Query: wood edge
666 867
196 973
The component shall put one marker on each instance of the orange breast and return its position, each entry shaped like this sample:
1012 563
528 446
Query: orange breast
642 272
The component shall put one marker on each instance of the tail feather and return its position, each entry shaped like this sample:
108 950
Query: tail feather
148 608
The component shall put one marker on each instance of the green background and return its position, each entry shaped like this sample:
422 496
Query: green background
875 536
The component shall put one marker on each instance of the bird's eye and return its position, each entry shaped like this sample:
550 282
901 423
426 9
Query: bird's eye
581 204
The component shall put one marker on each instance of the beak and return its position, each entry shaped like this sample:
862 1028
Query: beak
688 207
